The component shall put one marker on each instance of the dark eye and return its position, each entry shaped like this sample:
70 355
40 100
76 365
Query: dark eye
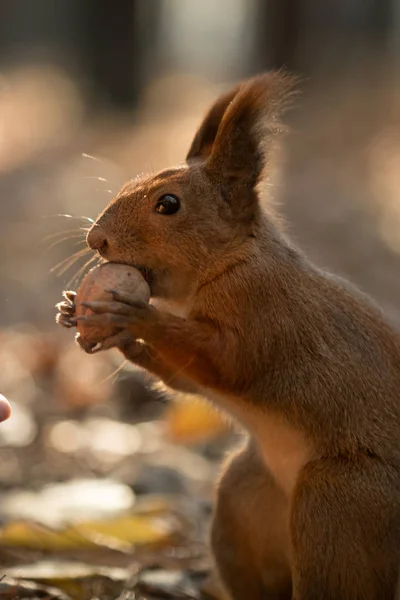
168 205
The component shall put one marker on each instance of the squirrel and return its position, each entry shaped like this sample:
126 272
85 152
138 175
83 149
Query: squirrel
308 508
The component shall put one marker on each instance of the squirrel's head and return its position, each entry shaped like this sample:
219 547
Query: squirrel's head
183 221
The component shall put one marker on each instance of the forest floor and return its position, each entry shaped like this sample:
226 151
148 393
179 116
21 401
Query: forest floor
106 484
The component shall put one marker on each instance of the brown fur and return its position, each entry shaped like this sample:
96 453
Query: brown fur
307 364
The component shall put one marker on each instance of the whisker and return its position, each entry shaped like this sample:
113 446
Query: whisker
114 373
74 259
60 233
96 177
66 263
64 239
105 163
66 216
75 279
107 191
95 158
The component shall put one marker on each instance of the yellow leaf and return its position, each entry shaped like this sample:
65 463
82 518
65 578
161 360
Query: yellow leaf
130 530
190 420
134 529
27 534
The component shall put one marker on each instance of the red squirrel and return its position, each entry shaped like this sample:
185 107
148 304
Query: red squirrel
309 507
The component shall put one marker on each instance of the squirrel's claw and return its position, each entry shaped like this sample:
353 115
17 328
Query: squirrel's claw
69 295
66 308
65 320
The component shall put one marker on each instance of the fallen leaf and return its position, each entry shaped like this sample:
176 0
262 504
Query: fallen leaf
78 580
118 533
166 584
13 589
190 420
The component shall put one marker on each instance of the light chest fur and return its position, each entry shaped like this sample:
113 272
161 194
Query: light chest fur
284 449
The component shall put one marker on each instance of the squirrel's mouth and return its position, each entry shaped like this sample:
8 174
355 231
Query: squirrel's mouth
147 274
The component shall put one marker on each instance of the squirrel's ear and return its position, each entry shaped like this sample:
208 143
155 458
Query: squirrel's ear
249 127
204 139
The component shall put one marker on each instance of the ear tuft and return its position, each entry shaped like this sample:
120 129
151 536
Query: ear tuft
241 129
204 139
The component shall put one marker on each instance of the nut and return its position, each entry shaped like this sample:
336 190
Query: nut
106 276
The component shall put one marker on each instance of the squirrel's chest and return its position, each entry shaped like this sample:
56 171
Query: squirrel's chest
285 449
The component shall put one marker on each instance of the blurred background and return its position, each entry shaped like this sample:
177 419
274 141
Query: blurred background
94 92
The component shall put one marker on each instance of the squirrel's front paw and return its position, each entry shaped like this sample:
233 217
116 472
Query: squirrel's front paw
130 347
123 312
67 310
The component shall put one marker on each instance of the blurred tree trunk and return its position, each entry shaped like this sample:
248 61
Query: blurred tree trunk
37 30
109 45
278 24
301 34
115 42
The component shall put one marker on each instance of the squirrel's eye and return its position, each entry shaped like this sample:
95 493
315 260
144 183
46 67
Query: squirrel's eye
168 205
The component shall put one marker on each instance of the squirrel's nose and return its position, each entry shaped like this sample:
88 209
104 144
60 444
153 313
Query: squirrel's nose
96 238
